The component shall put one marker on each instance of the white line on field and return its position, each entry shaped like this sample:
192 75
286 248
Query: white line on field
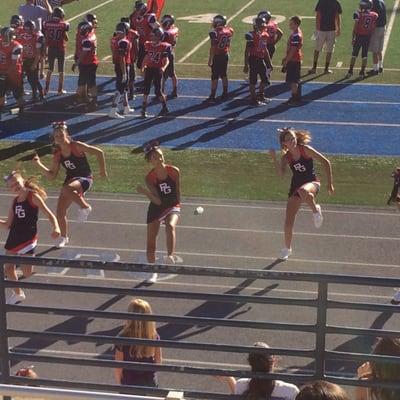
225 205
204 41
106 58
89 10
69 57
390 27
242 230
236 256
339 64
237 119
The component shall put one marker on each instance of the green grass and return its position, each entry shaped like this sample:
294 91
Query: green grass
227 174
192 34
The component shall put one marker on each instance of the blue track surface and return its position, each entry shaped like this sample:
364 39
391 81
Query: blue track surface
344 119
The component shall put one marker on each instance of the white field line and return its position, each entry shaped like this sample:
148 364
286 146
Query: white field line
106 58
390 27
266 120
69 57
204 41
89 10
241 230
223 205
207 285
236 256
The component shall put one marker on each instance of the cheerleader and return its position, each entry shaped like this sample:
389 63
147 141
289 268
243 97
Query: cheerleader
72 156
163 191
22 224
305 185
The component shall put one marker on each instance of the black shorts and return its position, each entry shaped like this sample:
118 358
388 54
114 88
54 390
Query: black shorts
293 72
54 54
152 75
87 75
85 181
257 67
170 70
140 56
120 84
11 84
271 49
361 42
160 213
219 67
294 190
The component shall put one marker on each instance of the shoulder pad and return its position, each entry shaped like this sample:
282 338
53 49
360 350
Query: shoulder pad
249 36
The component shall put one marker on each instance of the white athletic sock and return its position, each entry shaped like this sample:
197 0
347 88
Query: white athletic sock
376 67
380 64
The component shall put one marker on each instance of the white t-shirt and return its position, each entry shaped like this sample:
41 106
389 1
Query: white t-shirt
282 390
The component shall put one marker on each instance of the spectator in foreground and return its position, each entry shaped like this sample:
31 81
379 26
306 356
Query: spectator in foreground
378 37
382 371
322 390
328 26
135 329
257 388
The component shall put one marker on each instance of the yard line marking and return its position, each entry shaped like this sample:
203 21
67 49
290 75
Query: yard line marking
204 41
390 27
238 119
223 287
339 64
241 230
237 256
90 9
69 57
225 205
106 58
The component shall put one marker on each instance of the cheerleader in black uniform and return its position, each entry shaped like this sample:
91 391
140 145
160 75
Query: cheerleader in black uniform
72 156
22 223
163 190
305 184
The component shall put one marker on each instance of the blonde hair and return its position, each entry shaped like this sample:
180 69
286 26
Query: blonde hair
30 183
303 137
140 329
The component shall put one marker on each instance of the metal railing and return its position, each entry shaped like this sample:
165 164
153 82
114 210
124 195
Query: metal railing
320 354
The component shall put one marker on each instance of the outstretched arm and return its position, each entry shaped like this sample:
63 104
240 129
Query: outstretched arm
311 152
95 151
51 173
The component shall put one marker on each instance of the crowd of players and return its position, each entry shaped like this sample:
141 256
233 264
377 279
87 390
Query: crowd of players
143 43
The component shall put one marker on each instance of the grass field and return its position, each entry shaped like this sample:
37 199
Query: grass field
231 174
193 33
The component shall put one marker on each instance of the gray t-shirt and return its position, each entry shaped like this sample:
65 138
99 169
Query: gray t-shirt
36 14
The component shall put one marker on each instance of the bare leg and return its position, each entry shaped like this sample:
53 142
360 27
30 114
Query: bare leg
170 230
11 274
152 232
307 194
292 208
62 206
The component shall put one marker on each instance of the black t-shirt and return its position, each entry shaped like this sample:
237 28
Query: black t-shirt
380 8
328 10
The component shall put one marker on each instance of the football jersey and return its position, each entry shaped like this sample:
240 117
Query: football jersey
221 39
258 42
296 40
121 49
155 53
54 31
144 25
87 48
171 35
32 43
365 22
11 55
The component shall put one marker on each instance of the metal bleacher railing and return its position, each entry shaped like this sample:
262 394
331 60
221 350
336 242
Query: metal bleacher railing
320 354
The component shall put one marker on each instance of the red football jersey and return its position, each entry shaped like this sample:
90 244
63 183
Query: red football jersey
11 57
144 26
272 28
132 36
171 35
54 31
87 47
32 43
365 22
121 49
296 40
155 53
258 43
221 39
